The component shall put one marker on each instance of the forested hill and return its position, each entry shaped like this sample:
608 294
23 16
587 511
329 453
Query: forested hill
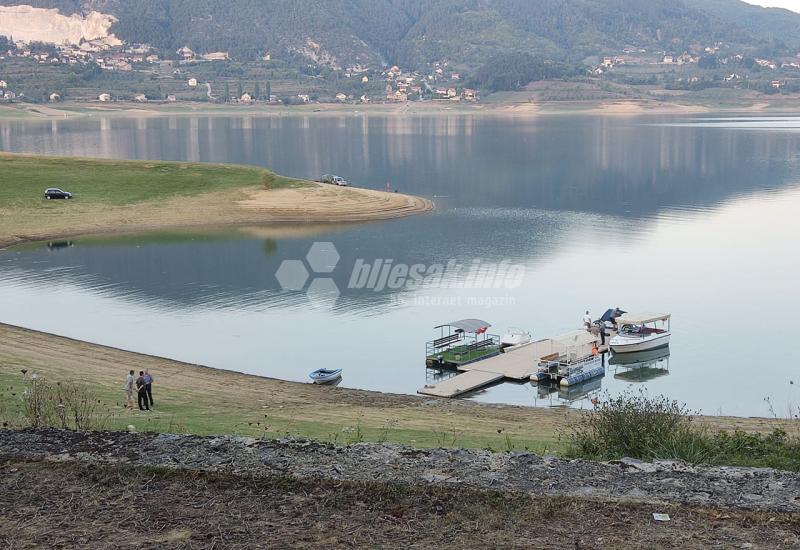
465 32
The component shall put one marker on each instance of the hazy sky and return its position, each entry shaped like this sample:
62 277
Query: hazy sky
793 5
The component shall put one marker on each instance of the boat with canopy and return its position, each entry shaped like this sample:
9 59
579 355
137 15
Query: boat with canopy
641 332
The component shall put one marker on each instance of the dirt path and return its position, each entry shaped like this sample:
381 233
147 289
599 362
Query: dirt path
197 399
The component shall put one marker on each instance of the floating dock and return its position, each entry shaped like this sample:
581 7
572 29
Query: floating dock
517 363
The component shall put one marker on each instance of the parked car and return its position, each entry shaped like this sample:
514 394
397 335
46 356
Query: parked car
334 180
55 193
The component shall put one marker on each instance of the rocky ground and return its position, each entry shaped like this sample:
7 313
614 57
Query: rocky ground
114 488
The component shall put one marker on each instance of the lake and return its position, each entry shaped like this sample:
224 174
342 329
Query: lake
695 216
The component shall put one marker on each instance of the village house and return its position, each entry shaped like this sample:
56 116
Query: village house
3 84
140 98
777 84
304 98
470 95
452 92
192 83
608 62
732 77
341 97
455 76
364 79
668 60
172 98
152 58
9 95
186 53
766 63
55 97
104 97
246 98
364 98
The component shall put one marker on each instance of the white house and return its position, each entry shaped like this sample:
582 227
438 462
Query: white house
104 97
304 98
192 83
341 97
55 97
140 97
3 84
185 52
246 98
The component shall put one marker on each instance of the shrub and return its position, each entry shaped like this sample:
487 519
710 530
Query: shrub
646 428
631 425
65 405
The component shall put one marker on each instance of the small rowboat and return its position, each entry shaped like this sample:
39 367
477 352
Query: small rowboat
325 376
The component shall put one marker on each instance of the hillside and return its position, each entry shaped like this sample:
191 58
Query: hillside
417 32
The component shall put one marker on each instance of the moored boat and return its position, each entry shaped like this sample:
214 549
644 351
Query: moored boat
514 336
325 376
641 332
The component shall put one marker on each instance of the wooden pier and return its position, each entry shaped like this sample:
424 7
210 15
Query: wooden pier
517 364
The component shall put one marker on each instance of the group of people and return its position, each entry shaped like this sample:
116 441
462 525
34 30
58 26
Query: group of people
144 389
599 327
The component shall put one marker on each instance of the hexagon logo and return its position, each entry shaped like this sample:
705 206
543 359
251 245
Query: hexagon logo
292 275
322 257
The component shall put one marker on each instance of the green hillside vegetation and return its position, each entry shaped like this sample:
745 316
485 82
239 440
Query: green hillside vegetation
416 32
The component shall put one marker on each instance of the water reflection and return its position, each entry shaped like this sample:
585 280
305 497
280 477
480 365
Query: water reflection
627 168
598 211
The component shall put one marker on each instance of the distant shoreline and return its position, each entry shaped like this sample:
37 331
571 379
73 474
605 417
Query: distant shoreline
632 107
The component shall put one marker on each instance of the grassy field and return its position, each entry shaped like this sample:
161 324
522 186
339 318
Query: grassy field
200 400
120 194
115 182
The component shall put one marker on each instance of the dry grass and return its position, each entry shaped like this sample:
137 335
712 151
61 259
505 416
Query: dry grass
73 505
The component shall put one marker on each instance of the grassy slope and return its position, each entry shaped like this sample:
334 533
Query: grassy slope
117 192
116 182
208 401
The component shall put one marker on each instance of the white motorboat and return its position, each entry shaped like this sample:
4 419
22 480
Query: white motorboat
325 376
641 332
514 336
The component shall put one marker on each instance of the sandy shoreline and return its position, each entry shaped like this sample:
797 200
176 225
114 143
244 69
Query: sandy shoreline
632 107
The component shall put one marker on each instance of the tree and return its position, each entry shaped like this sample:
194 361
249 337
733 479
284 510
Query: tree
227 93
268 90
239 91
257 91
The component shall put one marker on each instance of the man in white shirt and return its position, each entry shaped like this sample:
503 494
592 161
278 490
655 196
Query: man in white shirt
129 390
587 321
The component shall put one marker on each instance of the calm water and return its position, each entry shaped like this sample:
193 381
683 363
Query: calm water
694 216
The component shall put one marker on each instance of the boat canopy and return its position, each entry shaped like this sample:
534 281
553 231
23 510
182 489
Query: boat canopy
641 318
467 325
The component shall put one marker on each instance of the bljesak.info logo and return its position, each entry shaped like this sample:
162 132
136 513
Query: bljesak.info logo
313 274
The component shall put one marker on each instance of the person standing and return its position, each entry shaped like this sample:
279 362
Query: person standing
141 390
129 390
587 321
148 385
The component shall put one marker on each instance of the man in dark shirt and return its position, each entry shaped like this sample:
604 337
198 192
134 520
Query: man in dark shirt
141 389
148 385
